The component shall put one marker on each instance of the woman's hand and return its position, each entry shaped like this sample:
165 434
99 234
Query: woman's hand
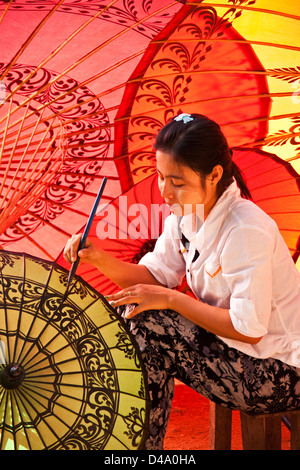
147 297
89 254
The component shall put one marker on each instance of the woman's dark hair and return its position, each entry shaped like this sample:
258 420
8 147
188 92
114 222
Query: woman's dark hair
200 144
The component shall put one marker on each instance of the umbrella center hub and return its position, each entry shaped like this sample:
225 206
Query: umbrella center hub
12 376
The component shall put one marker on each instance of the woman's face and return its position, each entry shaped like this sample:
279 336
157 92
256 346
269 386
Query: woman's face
181 187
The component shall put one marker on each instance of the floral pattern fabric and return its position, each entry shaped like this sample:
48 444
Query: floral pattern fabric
173 347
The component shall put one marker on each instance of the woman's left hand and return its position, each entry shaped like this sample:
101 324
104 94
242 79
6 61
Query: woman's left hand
146 296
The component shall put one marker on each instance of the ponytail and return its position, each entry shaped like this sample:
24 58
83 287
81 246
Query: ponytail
237 174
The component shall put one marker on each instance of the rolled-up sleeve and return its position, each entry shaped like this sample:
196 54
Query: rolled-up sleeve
247 268
165 262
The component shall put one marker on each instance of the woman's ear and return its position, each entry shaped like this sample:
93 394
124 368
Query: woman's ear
216 175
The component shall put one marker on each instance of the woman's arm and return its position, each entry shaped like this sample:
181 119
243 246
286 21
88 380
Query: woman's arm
121 273
214 319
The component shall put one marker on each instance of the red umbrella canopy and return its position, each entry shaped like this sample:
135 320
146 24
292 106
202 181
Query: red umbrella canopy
64 65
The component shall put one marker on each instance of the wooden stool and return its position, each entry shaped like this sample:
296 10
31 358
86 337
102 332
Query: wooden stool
261 432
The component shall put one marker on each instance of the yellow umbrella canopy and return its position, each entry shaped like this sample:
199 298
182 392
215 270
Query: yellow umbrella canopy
70 373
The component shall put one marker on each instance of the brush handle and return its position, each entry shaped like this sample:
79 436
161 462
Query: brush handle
87 229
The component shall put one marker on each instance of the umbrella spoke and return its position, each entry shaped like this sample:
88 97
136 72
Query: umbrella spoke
54 421
34 318
36 399
20 432
54 53
33 241
5 345
88 55
34 407
33 373
30 38
70 343
43 330
34 437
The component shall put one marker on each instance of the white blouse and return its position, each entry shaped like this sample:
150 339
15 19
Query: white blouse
242 264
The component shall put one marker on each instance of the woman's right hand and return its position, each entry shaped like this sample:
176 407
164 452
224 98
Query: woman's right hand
89 254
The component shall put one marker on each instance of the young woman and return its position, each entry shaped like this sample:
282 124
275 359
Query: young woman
238 341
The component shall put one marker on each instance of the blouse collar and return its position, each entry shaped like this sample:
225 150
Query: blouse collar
208 230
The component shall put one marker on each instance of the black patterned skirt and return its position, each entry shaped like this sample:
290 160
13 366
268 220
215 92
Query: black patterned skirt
173 347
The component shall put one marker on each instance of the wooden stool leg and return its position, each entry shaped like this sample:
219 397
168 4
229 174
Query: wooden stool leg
272 432
253 435
219 427
295 431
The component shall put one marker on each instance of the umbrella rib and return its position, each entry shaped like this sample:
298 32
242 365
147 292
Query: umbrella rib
116 392
12 153
35 318
48 322
75 190
48 223
70 343
30 38
60 47
5 10
25 182
6 318
12 201
87 56
70 428
31 374
36 428
34 242
126 118
108 110
5 130
41 417
271 198
250 42
248 8
10 214
14 358
31 380
15 396
5 397
68 385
